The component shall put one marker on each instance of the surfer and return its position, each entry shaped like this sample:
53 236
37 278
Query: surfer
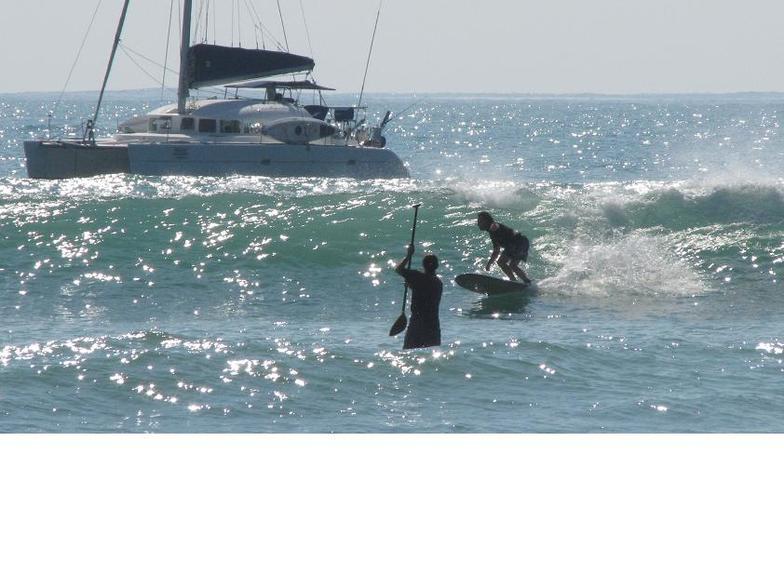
424 329
512 246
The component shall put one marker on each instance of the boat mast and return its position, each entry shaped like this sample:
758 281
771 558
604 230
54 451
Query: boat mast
182 89
90 128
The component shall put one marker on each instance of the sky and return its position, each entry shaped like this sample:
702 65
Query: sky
424 46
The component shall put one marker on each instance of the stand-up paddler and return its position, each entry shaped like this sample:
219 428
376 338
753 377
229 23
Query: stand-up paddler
424 328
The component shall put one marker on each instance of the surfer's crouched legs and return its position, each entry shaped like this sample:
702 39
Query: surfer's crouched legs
515 266
503 263
512 267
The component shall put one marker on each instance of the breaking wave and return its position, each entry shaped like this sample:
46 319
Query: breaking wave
631 265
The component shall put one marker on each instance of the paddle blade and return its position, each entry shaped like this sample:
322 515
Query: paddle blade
399 325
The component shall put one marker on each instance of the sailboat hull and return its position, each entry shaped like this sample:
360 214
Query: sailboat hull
264 159
64 159
73 159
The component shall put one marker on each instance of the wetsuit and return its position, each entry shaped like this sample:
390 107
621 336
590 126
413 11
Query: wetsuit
514 244
424 329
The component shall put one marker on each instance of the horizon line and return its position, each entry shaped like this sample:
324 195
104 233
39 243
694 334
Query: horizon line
446 93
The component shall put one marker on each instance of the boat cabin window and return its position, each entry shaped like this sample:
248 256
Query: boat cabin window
230 126
207 125
160 124
186 124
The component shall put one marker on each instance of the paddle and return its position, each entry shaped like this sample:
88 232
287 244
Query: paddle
401 322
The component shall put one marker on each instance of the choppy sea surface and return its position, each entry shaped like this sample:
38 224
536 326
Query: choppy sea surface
249 304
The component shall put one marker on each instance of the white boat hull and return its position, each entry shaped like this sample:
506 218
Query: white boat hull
59 160
73 159
264 159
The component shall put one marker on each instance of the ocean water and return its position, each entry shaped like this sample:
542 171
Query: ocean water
245 304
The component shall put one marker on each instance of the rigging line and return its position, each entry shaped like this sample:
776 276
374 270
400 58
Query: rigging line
232 23
127 52
370 52
214 24
307 31
258 24
310 45
198 19
286 39
78 54
277 42
255 27
166 53
239 28
266 30
207 22
195 33
404 113
128 49
91 124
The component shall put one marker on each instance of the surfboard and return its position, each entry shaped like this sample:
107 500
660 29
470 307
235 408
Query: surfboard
488 285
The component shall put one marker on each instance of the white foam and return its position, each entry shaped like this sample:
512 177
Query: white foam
636 264
492 194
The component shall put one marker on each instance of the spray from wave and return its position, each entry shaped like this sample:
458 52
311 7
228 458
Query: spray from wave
630 265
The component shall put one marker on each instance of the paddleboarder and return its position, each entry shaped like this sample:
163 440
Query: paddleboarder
424 329
512 246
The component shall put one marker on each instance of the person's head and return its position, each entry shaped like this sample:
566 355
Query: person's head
430 263
484 220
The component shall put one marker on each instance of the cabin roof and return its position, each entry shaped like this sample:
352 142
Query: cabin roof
228 109
292 84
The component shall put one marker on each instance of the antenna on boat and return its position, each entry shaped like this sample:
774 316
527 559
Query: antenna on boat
90 129
370 52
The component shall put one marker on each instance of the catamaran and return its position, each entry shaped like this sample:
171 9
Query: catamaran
273 135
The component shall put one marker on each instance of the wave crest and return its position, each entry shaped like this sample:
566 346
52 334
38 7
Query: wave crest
631 265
